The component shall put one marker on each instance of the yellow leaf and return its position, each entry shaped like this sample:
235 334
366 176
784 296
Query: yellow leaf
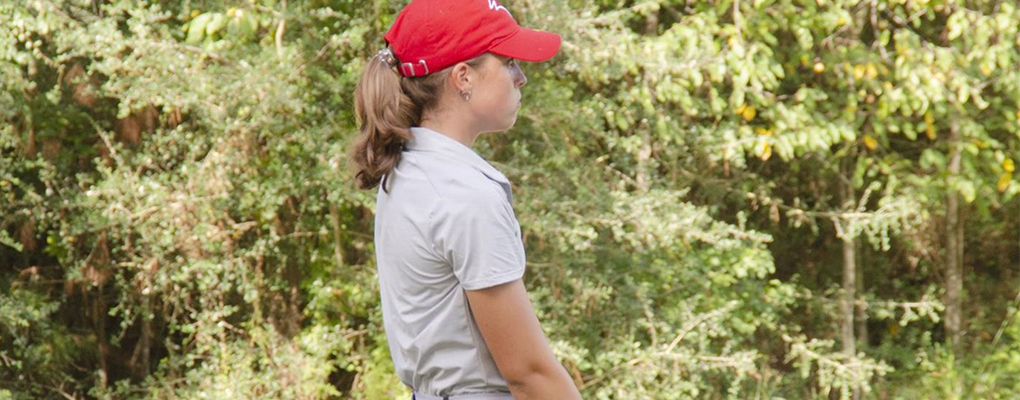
859 72
929 125
1004 182
872 71
1007 165
764 150
748 113
870 142
740 110
986 70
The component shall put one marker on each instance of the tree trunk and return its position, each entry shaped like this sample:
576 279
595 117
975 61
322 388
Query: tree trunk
954 247
99 312
644 153
847 305
334 219
143 348
862 309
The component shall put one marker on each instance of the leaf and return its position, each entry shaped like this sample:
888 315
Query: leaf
870 142
956 23
621 122
216 22
883 38
929 128
661 127
909 133
737 98
764 150
243 26
967 190
1007 165
196 29
932 158
749 113
1004 182
859 72
962 94
871 71
972 148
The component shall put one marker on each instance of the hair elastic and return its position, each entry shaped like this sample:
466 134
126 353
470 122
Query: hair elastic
386 55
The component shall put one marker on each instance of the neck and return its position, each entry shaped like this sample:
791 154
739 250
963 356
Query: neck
456 128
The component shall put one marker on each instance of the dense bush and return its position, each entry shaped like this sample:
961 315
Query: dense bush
729 199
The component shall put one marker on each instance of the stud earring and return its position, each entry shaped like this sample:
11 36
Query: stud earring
466 95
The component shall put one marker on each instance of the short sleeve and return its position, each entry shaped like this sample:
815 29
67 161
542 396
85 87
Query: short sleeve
480 238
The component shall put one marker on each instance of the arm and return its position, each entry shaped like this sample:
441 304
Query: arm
513 335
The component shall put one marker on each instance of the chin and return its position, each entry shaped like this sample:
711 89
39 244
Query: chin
506 126
511 125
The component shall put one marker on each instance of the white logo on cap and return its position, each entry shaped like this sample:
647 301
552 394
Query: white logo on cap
494 5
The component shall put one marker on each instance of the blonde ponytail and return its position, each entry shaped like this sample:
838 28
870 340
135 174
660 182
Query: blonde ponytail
387 105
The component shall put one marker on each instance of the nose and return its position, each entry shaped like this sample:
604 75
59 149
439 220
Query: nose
519 78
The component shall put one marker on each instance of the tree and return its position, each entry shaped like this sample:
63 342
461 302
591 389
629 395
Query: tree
704 189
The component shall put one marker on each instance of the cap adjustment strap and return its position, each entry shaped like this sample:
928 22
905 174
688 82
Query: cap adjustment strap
408 69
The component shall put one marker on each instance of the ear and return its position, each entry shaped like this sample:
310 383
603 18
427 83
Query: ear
463 77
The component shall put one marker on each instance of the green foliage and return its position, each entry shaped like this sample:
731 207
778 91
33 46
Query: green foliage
177 221
990 373
35 350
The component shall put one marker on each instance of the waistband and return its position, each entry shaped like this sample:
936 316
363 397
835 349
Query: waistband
472 396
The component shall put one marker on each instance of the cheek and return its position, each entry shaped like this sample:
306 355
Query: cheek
496 98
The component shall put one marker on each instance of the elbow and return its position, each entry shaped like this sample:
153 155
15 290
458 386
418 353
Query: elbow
542 380
528 372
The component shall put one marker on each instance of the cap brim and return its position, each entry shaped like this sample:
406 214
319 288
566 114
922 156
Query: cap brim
529 45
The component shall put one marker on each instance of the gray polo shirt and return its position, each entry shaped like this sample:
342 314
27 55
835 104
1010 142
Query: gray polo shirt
446 226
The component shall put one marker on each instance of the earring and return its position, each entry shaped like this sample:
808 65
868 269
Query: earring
466 95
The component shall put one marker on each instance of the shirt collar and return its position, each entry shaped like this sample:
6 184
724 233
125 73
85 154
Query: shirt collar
425 139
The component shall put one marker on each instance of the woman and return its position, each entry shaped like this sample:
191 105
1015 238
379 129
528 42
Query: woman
448 246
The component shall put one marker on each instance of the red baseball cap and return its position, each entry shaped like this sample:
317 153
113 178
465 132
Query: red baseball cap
430 35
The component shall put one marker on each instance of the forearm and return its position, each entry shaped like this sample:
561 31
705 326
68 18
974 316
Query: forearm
549 383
